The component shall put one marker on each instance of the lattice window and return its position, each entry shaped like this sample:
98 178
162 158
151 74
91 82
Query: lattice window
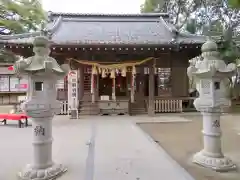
164 81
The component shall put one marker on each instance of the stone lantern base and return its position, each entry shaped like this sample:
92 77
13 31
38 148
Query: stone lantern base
216 163
50 173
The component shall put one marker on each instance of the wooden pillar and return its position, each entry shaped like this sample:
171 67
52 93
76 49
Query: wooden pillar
141 82
151 105
97 87
128 81
114 89
81 82
133 85
92 87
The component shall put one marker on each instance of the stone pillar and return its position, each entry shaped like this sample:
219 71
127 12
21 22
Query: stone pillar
151 97
212 156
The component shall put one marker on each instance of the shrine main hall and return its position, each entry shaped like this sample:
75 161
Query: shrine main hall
124 63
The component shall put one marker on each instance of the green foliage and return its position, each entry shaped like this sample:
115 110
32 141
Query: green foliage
234 3
152 6
19 16
229 51
191 26
219 18
7 56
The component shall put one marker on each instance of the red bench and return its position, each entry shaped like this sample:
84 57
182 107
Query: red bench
15 117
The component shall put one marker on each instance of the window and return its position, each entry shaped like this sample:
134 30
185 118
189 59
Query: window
164 81
39 86
216 85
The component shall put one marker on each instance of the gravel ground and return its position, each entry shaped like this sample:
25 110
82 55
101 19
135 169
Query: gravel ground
182 139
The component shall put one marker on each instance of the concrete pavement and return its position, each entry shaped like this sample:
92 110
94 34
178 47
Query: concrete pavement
99 148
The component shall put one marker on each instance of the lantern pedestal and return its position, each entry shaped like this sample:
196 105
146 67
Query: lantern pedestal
218 164
211 156
42 113
30 173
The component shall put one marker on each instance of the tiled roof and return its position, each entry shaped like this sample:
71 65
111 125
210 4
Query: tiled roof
151 28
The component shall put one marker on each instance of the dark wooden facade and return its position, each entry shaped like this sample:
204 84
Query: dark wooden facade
120 39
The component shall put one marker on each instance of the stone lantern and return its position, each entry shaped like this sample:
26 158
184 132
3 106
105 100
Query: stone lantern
41 105
212 82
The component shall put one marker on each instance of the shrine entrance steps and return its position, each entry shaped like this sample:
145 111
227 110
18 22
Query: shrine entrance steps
138 107
88 108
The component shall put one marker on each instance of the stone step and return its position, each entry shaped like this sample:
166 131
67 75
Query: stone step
88 112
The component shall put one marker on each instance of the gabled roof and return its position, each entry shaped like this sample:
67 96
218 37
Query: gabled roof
135 29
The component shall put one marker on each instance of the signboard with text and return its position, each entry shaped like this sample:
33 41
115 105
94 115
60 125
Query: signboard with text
17 84
13 84
4 83
73 89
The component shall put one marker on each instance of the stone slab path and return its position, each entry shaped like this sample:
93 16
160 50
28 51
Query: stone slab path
99 148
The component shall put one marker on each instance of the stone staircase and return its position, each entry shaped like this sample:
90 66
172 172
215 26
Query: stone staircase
86 107
87 82
138 107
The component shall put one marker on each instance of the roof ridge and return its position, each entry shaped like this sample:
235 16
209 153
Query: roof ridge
55 26
50 13
172 28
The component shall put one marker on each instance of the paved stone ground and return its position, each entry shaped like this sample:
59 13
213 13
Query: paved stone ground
118 150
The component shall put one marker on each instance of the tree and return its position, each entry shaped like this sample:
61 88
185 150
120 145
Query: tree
210 18
179 10
234 3
19 16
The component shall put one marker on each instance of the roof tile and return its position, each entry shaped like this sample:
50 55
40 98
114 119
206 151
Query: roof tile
151 28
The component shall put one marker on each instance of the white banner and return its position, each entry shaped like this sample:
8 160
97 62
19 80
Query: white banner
73 90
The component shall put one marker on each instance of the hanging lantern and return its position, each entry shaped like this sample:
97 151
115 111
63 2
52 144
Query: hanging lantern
134 70
11 68
124 71
112 74
94 70
103 73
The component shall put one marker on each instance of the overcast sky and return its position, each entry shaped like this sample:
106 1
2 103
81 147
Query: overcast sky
93 6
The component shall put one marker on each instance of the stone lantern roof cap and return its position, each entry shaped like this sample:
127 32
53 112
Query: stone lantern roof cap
209 46
41 41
